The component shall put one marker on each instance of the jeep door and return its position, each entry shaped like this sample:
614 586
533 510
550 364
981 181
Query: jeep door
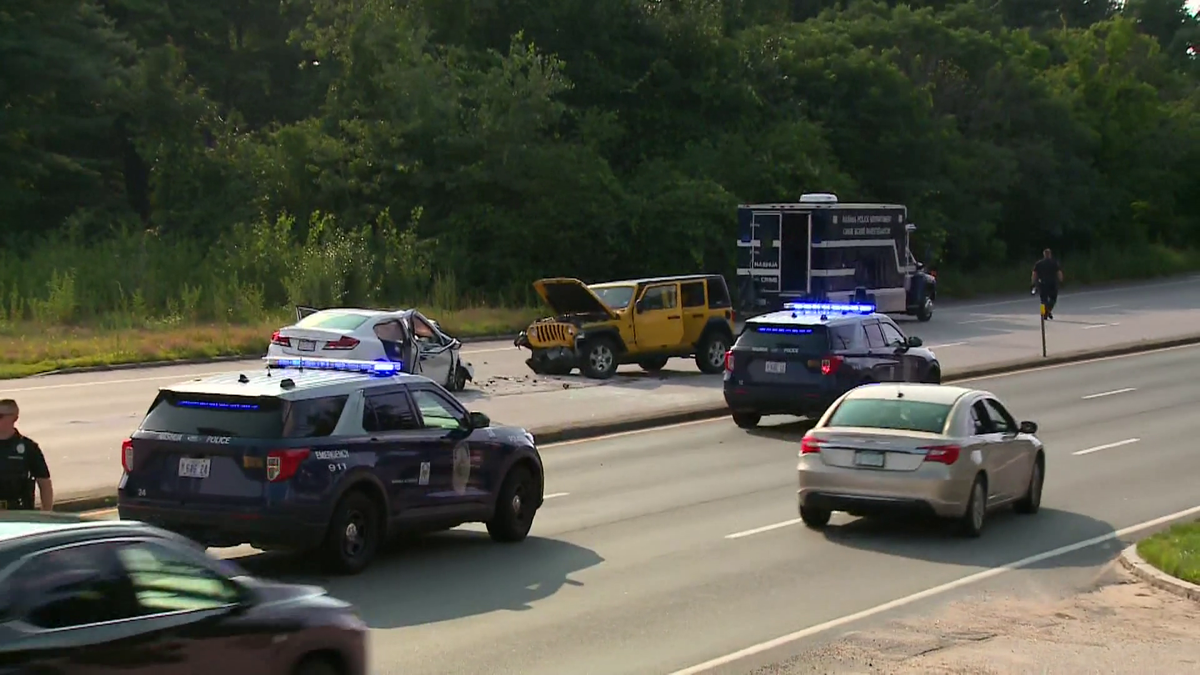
695 310
658 321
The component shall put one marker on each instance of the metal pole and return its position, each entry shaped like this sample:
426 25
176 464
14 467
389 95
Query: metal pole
1043 331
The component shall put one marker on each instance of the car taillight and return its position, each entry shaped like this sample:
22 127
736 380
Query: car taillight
283 464
809 445
277 339
729 361
127 455
942 454
830 364
344 342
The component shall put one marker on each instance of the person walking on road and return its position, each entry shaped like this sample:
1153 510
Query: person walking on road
22 465
1047 275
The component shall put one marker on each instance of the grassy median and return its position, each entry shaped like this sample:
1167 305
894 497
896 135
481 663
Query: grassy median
1175 551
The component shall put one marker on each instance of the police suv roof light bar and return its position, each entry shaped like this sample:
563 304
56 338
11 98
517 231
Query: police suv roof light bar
377 368
830 307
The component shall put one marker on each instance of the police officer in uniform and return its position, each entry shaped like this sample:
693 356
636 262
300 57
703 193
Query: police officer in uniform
22 465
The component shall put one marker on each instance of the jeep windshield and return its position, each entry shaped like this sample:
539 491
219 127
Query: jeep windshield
616 297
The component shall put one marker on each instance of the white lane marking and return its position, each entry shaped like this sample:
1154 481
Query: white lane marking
1107 446
1104 306
1109 393
487 351
948 344
556 495
1101 325
933 591
765 528
990 318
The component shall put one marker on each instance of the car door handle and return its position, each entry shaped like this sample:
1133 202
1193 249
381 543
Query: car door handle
674 317
698 316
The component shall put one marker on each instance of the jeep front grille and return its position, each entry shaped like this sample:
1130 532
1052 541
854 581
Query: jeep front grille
543 335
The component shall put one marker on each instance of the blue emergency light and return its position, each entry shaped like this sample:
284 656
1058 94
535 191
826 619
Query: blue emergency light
377 368
830 307
782 329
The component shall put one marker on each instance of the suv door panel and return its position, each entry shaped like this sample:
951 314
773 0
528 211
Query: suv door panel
695 310
885 365
451 481
404 451
659 322
910 364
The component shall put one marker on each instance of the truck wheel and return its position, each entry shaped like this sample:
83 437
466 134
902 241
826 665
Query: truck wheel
653 365
925 310
710 353
354 535
600 359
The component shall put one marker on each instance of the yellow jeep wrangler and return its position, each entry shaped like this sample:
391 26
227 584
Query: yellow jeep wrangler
644 321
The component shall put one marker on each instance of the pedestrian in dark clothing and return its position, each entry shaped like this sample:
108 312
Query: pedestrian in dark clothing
22 465
1047 275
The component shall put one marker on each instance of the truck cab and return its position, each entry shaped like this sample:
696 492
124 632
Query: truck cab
821 250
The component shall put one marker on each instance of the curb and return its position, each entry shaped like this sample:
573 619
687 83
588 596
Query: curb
561 433
1132 561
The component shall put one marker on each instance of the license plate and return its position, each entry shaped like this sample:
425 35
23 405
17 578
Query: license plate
307 346
868 458
776 367
194 468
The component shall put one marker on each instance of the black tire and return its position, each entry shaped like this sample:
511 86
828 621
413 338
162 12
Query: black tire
815 518
514 507
746 420
710 353
599 358
347 551
925 308
971 523
315 665
458 379
653 365
1032 501
933 376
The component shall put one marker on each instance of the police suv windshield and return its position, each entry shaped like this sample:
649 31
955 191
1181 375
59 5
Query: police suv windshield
616 297
243 417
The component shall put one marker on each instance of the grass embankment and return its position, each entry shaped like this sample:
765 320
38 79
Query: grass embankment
1175 551
175 312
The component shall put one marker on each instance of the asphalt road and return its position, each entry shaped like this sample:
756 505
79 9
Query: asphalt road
657 551
80 419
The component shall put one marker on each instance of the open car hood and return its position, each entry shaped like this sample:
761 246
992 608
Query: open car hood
571 296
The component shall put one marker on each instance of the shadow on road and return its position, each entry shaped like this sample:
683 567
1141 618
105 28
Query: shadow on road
442 577
1007 537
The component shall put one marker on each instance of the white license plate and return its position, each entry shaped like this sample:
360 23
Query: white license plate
868 458
194 468
776 367
307 346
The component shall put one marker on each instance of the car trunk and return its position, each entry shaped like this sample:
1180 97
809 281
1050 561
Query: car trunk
308 342
782 355
874 449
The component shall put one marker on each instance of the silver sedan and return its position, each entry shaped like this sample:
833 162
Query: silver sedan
928 449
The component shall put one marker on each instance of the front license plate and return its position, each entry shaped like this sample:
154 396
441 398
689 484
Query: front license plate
307 346
868 458
776 367
194 468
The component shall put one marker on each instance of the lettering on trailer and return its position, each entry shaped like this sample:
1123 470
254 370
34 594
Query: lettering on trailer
871 224
866 231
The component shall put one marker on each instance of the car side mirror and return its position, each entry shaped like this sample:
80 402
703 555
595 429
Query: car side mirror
914 341
1028 427
480 421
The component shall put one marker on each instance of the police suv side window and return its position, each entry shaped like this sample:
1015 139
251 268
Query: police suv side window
693 293
874 335
891 334
436 411
314 417
71 587
842 337
389 412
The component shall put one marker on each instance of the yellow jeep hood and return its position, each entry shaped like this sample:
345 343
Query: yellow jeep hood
571 296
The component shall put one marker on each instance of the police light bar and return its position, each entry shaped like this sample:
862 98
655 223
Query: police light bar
379 368
830 307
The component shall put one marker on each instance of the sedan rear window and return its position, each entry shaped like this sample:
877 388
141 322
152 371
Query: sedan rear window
791 339
243 417
333 320
901 415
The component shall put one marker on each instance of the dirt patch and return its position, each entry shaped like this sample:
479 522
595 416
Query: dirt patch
1126 627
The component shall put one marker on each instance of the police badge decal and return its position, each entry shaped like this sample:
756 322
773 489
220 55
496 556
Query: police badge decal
462 468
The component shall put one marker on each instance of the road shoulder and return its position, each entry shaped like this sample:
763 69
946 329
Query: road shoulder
1149 574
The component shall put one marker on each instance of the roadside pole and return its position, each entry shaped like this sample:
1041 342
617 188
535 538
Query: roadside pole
1043 330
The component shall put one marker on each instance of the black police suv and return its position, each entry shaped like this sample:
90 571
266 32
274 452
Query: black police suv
81 596
799 360
332 456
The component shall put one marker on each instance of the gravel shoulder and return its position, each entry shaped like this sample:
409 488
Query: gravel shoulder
1125 627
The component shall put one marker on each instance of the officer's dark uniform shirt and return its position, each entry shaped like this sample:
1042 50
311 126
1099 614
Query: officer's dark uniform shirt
21 463
1047 272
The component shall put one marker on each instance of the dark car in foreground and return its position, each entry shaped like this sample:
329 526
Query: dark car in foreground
101 597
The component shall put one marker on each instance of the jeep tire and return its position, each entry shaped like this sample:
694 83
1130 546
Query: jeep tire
599 358
710 352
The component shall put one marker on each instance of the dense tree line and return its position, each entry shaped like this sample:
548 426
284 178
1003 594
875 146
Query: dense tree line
496 141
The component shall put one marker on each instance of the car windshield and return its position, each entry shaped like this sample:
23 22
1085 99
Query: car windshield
795 339
333 320
899 414
616 297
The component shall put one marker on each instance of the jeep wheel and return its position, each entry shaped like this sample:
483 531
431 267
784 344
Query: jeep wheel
599 359
925 309
710 353
514 507
653 365
354 534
